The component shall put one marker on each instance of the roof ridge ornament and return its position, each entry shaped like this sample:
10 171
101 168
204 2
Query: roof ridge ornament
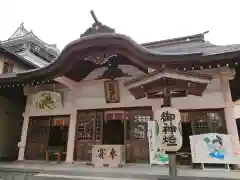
97 27
22 25
203 34
94 17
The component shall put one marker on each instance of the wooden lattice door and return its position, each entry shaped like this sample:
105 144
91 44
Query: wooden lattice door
37 138
137 148
89 132
207 121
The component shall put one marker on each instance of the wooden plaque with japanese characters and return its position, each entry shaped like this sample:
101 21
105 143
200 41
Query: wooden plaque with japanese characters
112 94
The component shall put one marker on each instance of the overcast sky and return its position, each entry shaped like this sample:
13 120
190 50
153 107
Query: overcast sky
61 21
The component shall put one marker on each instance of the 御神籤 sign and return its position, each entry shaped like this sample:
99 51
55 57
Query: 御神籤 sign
169 129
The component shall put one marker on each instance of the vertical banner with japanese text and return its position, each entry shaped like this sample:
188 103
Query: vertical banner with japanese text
170 129
156 154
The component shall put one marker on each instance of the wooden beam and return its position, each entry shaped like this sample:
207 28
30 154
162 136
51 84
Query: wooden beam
176 87
173 94
166 98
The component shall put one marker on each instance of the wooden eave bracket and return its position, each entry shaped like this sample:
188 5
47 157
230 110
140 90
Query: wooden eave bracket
187 83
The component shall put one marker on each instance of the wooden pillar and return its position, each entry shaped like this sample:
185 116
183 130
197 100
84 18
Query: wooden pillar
22 143
228 110
59 157
166 98
171 155
46 156
125 135
71 137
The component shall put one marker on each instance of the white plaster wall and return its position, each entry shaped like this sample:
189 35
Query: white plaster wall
90 95
236 110
17 67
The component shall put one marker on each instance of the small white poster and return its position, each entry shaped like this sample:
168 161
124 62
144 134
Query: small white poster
156 154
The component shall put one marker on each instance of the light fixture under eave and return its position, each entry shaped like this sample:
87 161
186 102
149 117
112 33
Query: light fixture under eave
24 85
112 73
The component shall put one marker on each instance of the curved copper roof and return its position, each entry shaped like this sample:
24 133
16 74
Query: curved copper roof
100 40
108 43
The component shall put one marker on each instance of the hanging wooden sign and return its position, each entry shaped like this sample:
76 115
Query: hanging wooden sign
169 129
112 94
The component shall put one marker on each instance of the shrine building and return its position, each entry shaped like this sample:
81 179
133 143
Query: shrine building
103 88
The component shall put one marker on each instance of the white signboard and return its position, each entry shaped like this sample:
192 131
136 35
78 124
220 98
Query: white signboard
113 155
156 153
214 148
169 123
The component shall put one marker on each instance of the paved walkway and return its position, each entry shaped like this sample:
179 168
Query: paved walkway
129 169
